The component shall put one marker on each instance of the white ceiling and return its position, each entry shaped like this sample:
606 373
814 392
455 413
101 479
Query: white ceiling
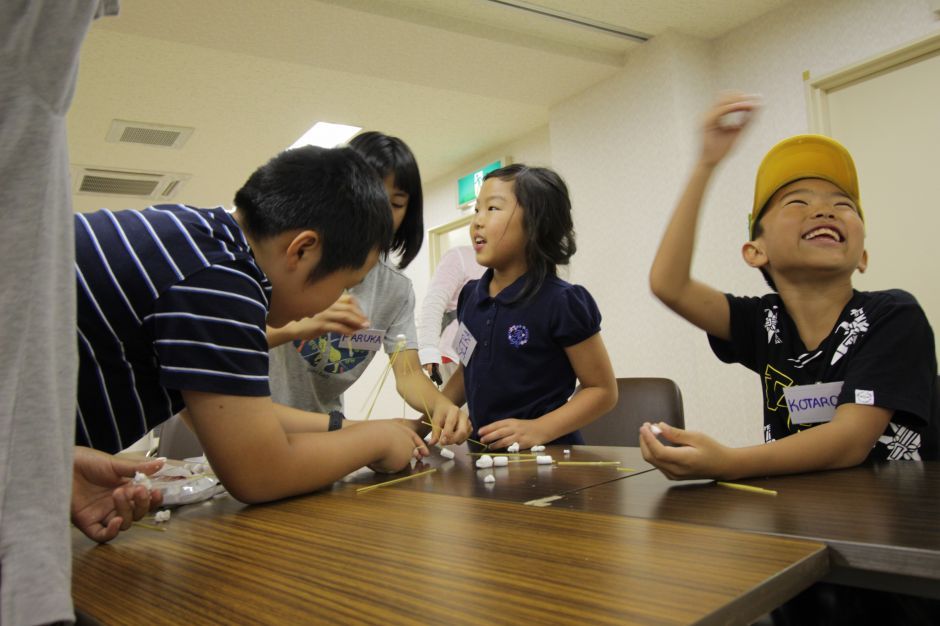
453 78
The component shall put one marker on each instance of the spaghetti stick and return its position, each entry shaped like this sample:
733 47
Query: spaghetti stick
587 462
752 489
381 383
625 469
397 480
512 454
479 443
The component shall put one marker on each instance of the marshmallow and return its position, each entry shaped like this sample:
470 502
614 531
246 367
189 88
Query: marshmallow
514 447
500 461
543 459
538 448
489 478
162 516
447 453
734 119
427 437
656 429
485 461
567 452
142 479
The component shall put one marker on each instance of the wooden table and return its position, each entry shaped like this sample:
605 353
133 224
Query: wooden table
880 521
524 481
399 555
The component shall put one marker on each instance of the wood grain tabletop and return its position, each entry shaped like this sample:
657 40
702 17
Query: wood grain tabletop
398 556
881 517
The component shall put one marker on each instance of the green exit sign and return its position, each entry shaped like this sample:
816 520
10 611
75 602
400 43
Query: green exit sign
469 186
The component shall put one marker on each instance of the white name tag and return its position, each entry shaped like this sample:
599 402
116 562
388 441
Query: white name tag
369 339
464 344
812 404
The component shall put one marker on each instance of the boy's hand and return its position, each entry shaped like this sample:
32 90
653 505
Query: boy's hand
105 500
723 124
451 425
504 433
343 316
402 445
696 455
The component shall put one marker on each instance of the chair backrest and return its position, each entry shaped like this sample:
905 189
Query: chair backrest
641 400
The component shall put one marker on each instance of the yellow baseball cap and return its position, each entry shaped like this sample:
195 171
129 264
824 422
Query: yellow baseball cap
803 156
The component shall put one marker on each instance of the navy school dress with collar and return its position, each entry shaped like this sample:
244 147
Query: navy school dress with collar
169 299
519 368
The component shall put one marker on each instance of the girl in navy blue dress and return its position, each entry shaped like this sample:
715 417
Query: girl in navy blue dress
526 336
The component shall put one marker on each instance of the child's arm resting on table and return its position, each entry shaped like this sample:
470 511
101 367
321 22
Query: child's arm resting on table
844 442
258 461
598 395
670 274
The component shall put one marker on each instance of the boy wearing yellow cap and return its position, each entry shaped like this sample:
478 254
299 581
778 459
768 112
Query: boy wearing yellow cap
846 375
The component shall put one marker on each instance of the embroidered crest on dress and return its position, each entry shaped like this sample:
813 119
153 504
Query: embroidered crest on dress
853 330
904 445
518 335
770 325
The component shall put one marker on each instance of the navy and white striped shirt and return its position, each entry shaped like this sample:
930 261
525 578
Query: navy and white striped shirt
169 299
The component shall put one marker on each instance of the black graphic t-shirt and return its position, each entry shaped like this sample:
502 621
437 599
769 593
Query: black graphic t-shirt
881 348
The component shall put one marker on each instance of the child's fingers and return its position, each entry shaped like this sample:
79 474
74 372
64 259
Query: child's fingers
123 507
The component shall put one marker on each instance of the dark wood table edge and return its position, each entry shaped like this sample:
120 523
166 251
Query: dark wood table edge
761 600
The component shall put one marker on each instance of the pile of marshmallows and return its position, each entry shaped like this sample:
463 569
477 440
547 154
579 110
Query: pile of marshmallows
487 461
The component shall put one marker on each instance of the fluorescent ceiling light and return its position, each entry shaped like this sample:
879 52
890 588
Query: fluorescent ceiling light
326 135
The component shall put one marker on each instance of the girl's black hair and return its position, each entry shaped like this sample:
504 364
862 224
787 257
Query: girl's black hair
391 155
546 218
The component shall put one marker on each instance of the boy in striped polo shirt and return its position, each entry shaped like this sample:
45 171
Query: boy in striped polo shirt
173 303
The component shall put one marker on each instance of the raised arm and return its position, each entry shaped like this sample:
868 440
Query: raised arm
670 274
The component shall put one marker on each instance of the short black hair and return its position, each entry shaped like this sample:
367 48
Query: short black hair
331 191
391 155
758 231
546 218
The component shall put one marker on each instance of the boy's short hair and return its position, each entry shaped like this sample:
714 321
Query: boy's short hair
332 191
803 156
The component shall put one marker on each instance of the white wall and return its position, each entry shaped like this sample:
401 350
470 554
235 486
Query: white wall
625 147
440 207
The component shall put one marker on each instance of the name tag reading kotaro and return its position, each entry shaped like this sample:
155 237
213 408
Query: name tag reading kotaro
369 339
464 344
812 404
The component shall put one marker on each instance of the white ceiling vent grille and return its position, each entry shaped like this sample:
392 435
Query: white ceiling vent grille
160 135
111 182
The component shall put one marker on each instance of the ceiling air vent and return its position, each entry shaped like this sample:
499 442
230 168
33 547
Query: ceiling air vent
160 135
111 182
